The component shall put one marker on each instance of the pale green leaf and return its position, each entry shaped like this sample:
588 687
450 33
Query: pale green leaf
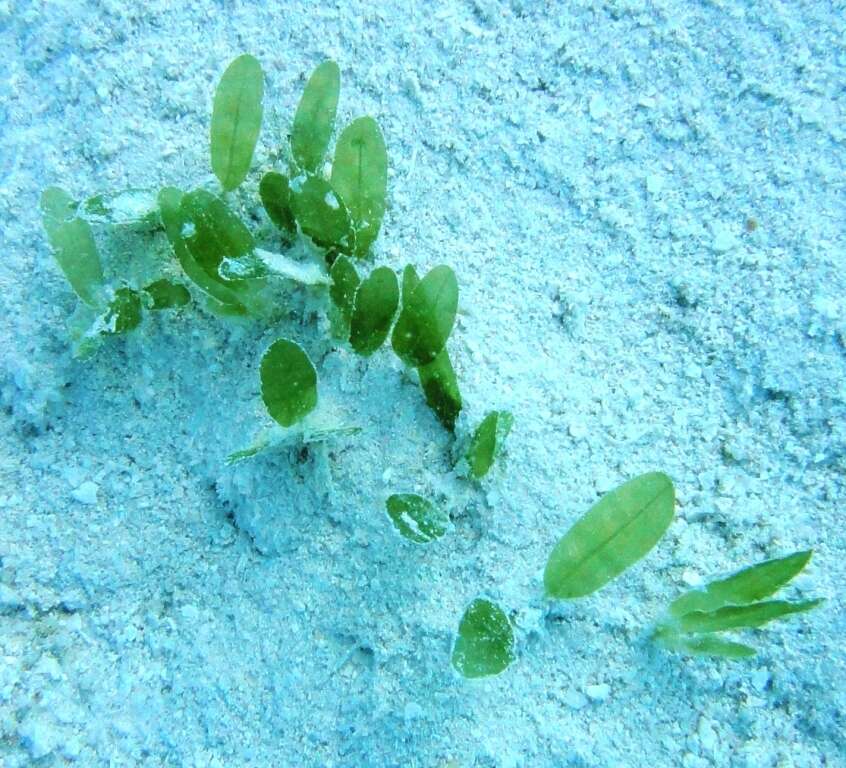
410 280
275 194
360 177
485 642
236 120
487 442
315 117
440 386
134 208
73 245
746 586
706 645
123 313
427 317
613 534
373 310
741 616
417 518
345 282
288 382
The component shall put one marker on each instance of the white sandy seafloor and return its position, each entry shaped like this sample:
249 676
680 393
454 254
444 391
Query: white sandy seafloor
588 170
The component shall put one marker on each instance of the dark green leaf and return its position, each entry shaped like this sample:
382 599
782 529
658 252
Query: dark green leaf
73 245
123 313
427 317
487 442
741 616
177 225
410 281
360 177
746 586
440 386
345 282
321 214
288 382
707 645
485 642
315 116
236 120
417 518
275 194
165 294
214 233
375 305
613 534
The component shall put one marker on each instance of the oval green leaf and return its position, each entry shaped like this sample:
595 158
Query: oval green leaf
175 223
485 642
321 213
315 116
487 442
417 518
427 317
440 386
165 294
375 305
236 120
288 382
73 245
360 177
410 280
275 194
613 534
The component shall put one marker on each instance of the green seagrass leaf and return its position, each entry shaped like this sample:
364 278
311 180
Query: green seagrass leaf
745 586
440 386
122 315
315 117
485 642
73 245
373 310
487 442
321 213
409 282
177 226
166 294
706 645
417 518
427 317
612 535
741 616
236 120
360 177
288 382
275 194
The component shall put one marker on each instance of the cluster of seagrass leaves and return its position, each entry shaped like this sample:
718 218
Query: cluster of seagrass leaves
616 532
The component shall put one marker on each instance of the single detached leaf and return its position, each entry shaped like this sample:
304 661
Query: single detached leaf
410 280
417 518
315 116
236 120
216 234
374 308
485 642
275 194
321 214
706 645
741 616
165 294
288 382
613 534
487 442
746 586
440 386
123 313
177 226
73 245
427 317
360 177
